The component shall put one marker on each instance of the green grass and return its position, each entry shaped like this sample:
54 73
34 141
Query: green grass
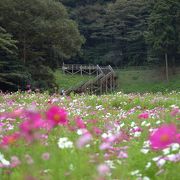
146 81
65 81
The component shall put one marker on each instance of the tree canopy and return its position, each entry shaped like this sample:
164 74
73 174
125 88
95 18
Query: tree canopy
43 30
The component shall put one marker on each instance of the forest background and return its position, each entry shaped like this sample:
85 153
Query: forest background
37 36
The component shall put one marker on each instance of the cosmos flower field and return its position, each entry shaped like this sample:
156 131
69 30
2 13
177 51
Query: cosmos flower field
118 136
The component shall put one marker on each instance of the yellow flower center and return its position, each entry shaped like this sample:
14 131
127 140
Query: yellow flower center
11 140
56 117
164 138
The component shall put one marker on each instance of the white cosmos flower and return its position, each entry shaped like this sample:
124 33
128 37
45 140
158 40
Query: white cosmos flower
144 151
148 165
3 160
156 158
143 123
64 143
146 178
146 144
110 164
133 173
137 134
122 124
166 151
161 162
79 132
175 146
133 124
148 124
158 122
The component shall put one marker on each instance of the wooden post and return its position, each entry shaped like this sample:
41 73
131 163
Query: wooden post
91 88
97 70
111 82
101 87
72 69
81 69
63 68
106 85
167 73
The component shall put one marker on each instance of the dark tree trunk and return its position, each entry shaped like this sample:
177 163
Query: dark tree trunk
24 50
173 66
167 70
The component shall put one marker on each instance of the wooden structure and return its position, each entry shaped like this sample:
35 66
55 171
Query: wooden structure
82 69
104 81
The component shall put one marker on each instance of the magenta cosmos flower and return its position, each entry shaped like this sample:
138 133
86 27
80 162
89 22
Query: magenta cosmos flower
163 136
56 115
10 139
80 123
30 127
143 115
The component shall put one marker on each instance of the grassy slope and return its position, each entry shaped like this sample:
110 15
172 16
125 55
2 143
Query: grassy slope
66 81
146 81
129 81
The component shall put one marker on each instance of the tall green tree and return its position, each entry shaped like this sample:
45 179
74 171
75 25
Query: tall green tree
114 30
45 36
122 28
41 27
12 73
163 30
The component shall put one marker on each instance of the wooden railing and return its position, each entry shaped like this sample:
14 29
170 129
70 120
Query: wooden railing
104 81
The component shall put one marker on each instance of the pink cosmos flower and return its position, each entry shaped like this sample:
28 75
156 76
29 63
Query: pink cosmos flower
105 146
178 138
97 131
143 115
15 161
29 128
103 169
122 155
175 112
17 113
163 136
137 129
83 140
45 156
56 115
10 139
1 124
79 123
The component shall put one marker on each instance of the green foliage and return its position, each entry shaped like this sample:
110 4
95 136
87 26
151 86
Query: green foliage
43 78
7 44
12 74
163 28
113 31
117 32
44 33
40 26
